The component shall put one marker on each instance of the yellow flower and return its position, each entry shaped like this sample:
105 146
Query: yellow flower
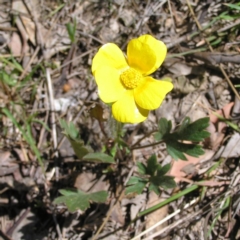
124 81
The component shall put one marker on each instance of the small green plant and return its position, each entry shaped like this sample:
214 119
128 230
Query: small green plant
71 28
152 175
84 153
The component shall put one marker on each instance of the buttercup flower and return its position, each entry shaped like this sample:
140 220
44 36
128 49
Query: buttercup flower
125 81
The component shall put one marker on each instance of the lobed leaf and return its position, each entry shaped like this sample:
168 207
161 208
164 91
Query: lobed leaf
77 199
152 165
136 188
142 169
187 131
164 127
194 131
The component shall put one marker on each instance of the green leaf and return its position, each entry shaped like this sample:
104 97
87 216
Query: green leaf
16 64
71 28
77 199
83 152
175 153
152 165
69 129
167 182
194 131
156 180
136 188
98 157
72 135
135 185
164 127
233 6
176 149
133 180
153 187
163 170
7 78
163 181
79 148
158 136
187 131
98 197
195 151
185 123
12 62
141 168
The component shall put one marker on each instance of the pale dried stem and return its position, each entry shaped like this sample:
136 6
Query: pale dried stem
163 221
53 118
49 84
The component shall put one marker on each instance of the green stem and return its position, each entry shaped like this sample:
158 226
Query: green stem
171 199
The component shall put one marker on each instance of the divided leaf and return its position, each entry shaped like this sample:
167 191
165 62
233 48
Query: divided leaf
187 131
83 152
77 199
152 165
165 182
79 148
164 127
153 176
69 129
135 185
176 149
142 169
194 131
168 182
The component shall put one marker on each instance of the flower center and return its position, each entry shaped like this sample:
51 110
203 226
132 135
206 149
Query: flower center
130 78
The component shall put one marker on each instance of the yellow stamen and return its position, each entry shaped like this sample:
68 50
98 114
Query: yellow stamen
131 78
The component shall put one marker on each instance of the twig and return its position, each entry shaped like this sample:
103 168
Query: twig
142 138
147 145
15 225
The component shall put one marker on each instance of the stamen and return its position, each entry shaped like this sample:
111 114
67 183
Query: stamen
131 78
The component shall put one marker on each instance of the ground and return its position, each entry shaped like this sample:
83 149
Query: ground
46 52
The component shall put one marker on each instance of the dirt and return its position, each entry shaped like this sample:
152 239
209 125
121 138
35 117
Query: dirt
46 77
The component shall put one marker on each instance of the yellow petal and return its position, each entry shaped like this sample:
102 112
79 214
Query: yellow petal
125 109
110 88
150 94
146 54
109 55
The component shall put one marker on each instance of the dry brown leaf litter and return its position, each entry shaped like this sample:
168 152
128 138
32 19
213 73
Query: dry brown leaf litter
39 35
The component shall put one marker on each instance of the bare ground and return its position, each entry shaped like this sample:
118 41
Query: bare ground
45 78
